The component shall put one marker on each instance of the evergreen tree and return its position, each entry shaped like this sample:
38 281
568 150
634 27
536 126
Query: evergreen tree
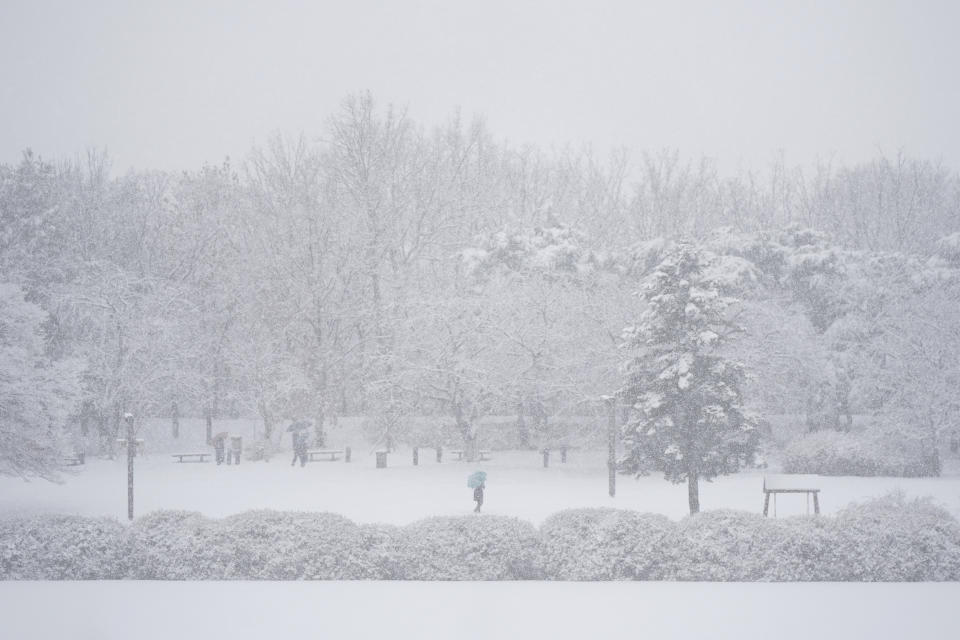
688 419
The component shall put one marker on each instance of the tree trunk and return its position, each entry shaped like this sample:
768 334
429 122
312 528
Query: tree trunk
693 492
523 431
267 420
319 435
175 410
209 416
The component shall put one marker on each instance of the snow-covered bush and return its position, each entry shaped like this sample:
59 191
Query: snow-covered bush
895 539
739 546
381 543
834 453
55 547
275 545
254 545
470 548
606 544
177 545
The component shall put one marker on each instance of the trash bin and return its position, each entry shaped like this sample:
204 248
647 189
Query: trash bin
381 459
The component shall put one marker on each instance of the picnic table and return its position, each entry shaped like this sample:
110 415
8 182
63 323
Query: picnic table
791 483
483 453
330 453
190 457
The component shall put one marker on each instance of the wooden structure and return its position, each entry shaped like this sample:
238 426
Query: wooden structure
76 459
190 457
416 452
484 454
330 453
791 483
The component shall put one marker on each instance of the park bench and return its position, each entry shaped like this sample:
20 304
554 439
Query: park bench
330 453
484 454
190 457
791 483
75 460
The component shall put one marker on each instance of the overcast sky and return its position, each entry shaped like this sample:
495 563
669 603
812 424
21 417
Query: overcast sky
172 84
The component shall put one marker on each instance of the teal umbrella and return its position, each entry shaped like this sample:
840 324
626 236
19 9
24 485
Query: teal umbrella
476 479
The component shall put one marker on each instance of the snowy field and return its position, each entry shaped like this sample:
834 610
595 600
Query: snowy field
517 485
482 611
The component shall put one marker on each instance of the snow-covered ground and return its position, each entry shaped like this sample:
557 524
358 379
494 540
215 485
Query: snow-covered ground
423 610
517 485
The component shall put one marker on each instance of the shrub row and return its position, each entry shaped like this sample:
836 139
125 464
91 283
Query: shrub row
890 539
833 453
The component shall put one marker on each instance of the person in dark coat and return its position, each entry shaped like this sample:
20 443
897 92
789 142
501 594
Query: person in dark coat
218 448
299 448
478 496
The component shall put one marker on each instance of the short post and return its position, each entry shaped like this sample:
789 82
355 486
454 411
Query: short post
346 455
416 456
131 450
816 502
381 459
611 446
439 453
546 458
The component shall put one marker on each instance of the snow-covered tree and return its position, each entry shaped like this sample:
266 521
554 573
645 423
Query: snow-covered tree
37 394
688 417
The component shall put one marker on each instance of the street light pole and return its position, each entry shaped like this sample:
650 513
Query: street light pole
131 450
611 445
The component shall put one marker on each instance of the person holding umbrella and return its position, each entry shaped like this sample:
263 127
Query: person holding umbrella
219 446
299 441
477 481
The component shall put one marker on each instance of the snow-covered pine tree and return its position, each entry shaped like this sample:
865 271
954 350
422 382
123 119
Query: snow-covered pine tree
688 418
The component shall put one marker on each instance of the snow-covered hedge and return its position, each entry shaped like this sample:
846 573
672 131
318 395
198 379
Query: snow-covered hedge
833 453
54 547
606 544
469 548
739 546
895 539
255 545
176 545
889 539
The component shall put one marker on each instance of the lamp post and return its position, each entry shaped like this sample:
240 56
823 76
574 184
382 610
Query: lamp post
611 445
131 449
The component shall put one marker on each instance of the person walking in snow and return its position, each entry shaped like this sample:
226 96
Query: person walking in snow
478 496
218 448
299 448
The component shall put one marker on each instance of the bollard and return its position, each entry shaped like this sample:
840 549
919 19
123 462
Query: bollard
439 453
346 455
546 458
416 456
563 455
381 459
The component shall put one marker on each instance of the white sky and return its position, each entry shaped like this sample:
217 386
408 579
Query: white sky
173 84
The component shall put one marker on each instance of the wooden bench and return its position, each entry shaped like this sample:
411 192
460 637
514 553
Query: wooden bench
330 453
190 457
791 483
75 460
483 453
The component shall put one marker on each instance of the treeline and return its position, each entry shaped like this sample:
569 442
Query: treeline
338 276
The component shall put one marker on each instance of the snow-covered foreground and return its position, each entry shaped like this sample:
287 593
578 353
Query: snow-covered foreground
165 610
517 485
